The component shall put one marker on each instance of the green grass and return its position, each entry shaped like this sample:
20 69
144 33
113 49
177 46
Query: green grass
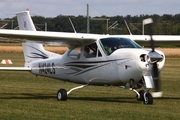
25 96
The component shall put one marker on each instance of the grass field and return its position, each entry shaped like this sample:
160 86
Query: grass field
25 96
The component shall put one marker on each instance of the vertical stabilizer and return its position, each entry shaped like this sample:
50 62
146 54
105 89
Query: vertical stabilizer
24 21
32 51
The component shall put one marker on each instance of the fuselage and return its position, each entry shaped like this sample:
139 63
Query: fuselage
98 65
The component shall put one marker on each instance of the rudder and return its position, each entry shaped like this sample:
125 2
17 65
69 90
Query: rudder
24 21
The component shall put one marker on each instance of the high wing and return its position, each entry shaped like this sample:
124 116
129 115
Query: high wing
173 40
78 39
69 39
159 39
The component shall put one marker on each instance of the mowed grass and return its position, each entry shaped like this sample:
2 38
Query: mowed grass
26 96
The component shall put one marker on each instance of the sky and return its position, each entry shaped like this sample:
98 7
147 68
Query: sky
53 8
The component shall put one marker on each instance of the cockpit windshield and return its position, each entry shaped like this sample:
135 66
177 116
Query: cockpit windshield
109 45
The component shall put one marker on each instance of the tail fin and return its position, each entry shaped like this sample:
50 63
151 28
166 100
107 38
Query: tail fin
35 51
24 21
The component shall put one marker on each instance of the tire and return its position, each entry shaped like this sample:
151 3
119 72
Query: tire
141 92
149 99
62 95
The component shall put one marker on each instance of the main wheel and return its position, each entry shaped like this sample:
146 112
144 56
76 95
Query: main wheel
149 99
141 92
62 95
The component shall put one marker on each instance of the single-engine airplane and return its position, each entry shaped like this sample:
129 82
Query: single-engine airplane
92 59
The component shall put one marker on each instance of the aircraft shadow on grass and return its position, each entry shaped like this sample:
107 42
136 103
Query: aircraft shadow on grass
50 96
106 99
25 96
100 99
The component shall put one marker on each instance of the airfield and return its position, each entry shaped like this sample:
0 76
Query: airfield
26 96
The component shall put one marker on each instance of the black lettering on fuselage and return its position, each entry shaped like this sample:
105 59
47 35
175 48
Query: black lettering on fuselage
47 68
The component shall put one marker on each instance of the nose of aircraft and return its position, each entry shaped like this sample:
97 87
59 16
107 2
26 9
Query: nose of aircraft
148 58
136 63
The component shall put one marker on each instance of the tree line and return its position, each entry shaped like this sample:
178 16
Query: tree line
166 24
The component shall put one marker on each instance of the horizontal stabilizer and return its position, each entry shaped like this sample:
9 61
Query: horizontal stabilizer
15 69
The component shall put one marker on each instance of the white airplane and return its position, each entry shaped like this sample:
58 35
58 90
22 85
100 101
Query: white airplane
100 60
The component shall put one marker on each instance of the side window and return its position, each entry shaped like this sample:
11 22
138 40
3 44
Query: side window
75 53
91 51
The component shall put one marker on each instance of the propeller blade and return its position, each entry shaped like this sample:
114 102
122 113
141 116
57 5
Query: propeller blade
149 22
154 58
152 41
157 86
156 77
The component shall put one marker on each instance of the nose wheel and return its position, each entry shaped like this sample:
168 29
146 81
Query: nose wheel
144 96
148 99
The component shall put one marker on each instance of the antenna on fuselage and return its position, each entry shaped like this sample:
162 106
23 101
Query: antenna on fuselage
72 25
128 27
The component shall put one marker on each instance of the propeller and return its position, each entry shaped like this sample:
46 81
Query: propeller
154 58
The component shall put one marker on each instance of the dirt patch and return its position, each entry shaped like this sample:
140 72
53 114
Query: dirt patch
170 52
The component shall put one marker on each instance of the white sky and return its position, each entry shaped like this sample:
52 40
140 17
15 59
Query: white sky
53 8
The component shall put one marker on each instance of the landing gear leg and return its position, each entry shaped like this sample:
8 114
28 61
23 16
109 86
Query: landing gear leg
140 95
82 86
62 94
144 95
148 99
